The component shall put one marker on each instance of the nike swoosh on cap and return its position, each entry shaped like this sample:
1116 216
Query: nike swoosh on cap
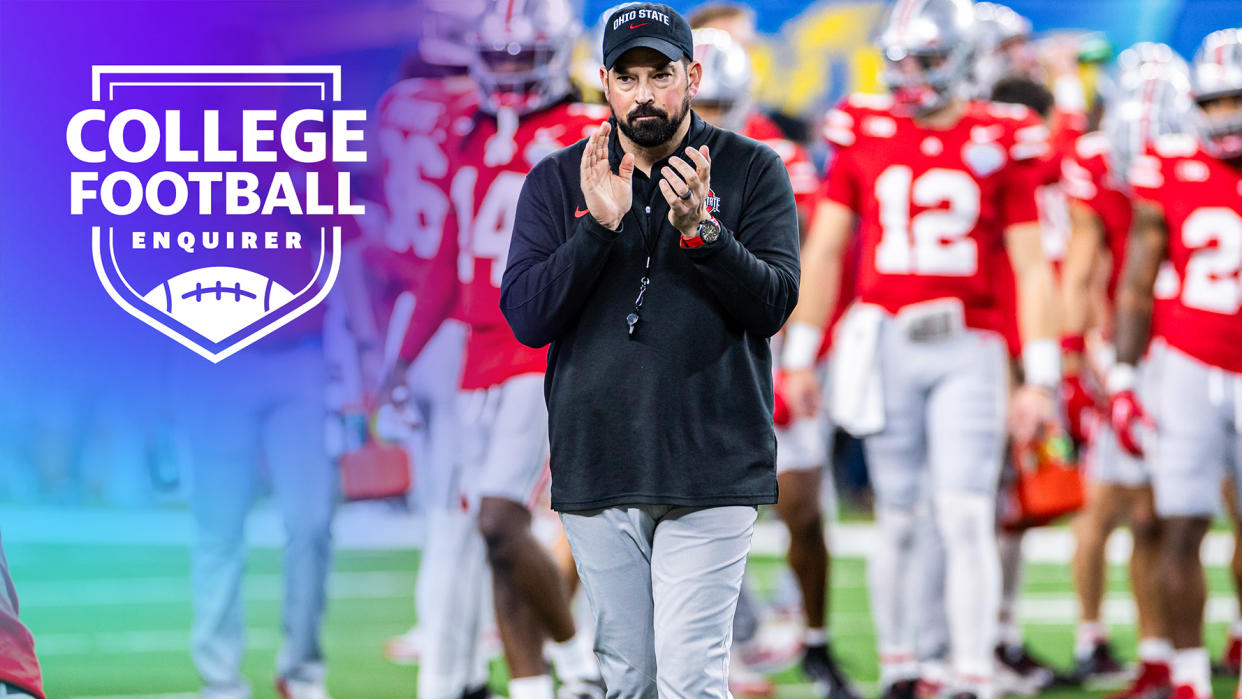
636 26
579 213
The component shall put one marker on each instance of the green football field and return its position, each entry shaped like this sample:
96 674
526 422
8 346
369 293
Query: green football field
113 621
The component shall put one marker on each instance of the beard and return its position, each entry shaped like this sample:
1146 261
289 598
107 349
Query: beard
651 133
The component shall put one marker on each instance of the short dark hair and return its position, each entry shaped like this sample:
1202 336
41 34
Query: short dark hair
1024 91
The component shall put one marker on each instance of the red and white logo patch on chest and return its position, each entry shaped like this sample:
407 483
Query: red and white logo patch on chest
713 202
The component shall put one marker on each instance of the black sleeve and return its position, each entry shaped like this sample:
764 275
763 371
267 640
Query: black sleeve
754 271
549 275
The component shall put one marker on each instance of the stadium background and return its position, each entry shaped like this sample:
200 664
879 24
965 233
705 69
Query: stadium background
92 508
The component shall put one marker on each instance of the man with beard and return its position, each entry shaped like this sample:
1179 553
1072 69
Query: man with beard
657 276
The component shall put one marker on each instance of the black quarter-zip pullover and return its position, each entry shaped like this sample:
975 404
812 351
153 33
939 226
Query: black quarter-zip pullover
680 412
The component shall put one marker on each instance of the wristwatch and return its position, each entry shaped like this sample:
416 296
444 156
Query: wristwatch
709 230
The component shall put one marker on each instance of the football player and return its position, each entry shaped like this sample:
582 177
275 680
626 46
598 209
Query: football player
1017 669
521 64
1188 208
724 100
413 266
1151 98
940 187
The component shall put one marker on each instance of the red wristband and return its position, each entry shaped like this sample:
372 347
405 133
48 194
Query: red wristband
1073 343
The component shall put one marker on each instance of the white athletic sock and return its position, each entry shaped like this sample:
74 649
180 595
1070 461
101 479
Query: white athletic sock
1193 667
887 568
1089 633
1156 651
537 687
815 637
967 523
573 660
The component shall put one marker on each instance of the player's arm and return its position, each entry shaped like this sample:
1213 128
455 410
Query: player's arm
1080 280
1078 275
1037 298
822 258
359 316
1032 405
437 294
1145 250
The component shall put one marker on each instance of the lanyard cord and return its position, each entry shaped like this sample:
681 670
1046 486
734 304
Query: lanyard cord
650 242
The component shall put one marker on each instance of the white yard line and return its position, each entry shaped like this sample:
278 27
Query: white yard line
163 641
265 587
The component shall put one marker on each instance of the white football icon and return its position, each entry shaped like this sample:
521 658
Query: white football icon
218 301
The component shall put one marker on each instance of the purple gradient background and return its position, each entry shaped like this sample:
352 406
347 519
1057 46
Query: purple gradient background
70 356
61 331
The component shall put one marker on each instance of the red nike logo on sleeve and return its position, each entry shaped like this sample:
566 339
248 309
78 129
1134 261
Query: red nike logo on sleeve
636 26
579 213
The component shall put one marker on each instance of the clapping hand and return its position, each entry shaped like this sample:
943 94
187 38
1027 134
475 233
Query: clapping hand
608 196
685 190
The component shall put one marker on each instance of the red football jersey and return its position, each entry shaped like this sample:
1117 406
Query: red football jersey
802 173
760 127
1089 179
1201 197
417 118
490 164
1067 127
933 204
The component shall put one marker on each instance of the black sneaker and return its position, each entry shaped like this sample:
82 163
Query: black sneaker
903 689
480 692
1100 663
1018 659
822 669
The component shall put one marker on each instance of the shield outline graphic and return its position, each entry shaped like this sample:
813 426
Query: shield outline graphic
131 300
324 79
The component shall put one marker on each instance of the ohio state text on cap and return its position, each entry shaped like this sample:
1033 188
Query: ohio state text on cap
649 25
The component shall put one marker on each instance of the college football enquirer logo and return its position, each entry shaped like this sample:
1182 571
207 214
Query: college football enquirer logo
216 194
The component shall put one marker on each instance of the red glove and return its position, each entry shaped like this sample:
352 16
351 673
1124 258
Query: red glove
1080 408
1125 411
781 417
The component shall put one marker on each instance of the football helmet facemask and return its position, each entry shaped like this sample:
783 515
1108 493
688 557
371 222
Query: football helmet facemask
726 82
927 47
1216 80
522 53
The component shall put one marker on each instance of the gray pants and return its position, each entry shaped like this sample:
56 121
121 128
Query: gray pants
264 407
663 585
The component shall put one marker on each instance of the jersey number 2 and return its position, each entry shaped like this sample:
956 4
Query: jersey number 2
936 241
1212 282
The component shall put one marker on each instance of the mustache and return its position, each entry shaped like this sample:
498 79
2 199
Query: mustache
646 110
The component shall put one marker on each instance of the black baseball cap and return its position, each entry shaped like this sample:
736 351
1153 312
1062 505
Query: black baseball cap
647 24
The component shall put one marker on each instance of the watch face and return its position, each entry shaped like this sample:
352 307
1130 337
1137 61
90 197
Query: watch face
709 231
